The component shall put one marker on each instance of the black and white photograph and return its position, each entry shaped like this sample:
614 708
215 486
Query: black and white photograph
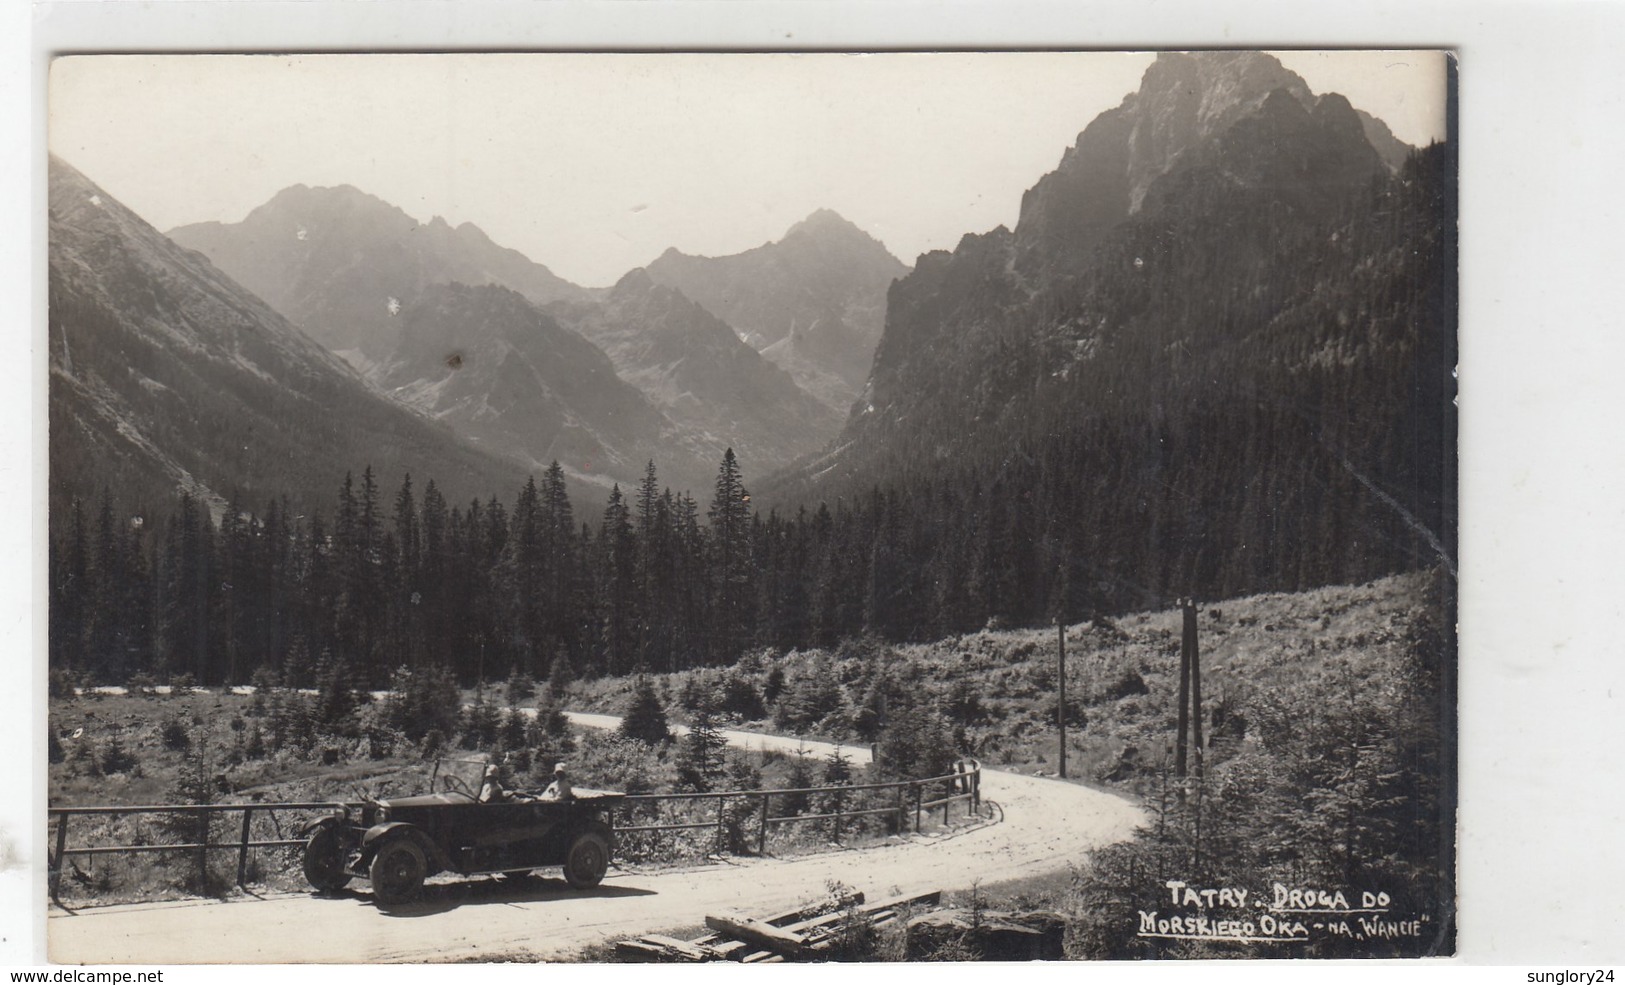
674 507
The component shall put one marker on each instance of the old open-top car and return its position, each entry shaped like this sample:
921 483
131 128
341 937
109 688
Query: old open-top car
400 841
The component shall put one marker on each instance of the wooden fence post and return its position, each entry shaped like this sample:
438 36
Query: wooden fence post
761 829
918 798
56 863
722 826
242 851
205 824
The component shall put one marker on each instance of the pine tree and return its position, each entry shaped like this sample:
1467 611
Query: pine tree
700 753
617 562
732 601
560 675
645 719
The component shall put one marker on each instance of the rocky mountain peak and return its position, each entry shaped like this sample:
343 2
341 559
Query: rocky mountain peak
812 302
634 282
1187 98
827 223
340 263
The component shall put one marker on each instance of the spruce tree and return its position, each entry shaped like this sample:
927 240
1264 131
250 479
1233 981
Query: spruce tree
699 755
645 719
731 562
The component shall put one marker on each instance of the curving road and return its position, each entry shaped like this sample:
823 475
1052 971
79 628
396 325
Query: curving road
1046 825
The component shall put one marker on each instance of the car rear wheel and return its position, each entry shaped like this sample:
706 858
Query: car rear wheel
324 861
397 872
587 860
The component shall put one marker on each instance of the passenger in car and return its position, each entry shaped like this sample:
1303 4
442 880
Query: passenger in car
560 788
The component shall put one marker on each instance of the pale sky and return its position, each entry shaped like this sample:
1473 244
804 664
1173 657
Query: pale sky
594 164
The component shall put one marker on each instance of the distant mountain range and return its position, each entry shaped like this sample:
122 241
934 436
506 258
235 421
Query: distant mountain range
370 283
698 371
814 302
1212 356
341 264
505 374
166 375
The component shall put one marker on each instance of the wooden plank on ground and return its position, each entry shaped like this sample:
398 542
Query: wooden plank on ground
686 949
639 951
896 902
807 910
758 932
729 950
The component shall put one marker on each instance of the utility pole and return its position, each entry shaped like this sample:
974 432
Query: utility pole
1060 635
1190 646
1184 705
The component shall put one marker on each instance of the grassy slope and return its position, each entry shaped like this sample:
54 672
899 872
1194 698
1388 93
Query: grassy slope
1247 645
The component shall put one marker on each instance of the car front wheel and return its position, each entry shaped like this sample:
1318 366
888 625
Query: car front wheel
324 861
587 860
397 872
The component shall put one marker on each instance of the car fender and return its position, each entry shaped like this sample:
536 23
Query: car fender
379 835
328 821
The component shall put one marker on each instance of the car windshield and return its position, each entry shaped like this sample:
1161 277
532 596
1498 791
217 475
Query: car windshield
459 774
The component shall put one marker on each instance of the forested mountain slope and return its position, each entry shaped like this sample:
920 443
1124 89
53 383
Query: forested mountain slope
168 377
1213 357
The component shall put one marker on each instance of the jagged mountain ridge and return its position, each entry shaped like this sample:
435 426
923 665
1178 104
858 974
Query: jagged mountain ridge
813 302
341 263
961 315
497 369
1223 246
168 376
708 381
381 289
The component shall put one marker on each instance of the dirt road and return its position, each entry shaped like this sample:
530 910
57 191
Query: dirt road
1046 825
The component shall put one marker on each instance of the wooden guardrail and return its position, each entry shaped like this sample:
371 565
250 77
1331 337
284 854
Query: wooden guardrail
910 797
59 817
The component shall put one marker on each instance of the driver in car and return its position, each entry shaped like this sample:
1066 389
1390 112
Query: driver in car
491 790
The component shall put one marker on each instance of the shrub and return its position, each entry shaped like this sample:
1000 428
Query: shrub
773 684
434 740
174 734
964 702
612 761
520 688
254 748
422 701
116 759
695 694
560 675
1128 682
740 698
813 695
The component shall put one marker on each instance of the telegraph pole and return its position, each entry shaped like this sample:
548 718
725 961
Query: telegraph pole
1184 702
1191 646
1060 631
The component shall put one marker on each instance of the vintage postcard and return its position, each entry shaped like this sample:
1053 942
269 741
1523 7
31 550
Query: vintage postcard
871 507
